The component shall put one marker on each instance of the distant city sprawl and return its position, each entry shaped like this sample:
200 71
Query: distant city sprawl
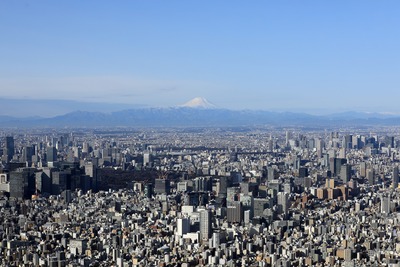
200 196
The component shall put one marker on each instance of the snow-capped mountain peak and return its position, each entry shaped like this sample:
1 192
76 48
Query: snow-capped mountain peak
198 102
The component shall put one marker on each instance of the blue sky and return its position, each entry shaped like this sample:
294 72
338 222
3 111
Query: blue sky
312 56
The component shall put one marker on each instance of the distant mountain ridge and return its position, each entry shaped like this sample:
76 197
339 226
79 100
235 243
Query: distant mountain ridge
198 117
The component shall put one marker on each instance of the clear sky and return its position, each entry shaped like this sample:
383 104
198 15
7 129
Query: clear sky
315 56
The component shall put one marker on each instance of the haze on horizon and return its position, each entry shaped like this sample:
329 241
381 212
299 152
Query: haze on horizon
309 56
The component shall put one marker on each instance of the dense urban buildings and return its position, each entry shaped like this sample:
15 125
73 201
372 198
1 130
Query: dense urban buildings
205 196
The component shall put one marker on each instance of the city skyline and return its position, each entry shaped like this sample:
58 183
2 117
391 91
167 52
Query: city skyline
205 197
306 57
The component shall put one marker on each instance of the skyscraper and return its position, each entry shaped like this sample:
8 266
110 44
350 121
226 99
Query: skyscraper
385 205
205 224
27 153
363 169
234 212
260 204
371 176
347 141
162 186
147 159
283 202
287 138
183 226
395 177
336 165
345 173
51 154
10 147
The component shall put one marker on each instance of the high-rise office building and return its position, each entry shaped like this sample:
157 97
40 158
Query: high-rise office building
247 201
9 147
183 226
356 142
385 205
319 144
22 183
27 153
283 202
202 184
148 190
287 138
363 169
335 165
345 173
205 224
260 204
224 183
234 212
162 186
43 181
85 147
371 176
147 159
216 239
389 141
51 154
348 141
59 182
270 145
395 177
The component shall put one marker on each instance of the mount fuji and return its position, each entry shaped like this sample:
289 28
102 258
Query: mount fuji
199 102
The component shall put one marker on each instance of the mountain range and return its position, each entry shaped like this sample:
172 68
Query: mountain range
199 113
